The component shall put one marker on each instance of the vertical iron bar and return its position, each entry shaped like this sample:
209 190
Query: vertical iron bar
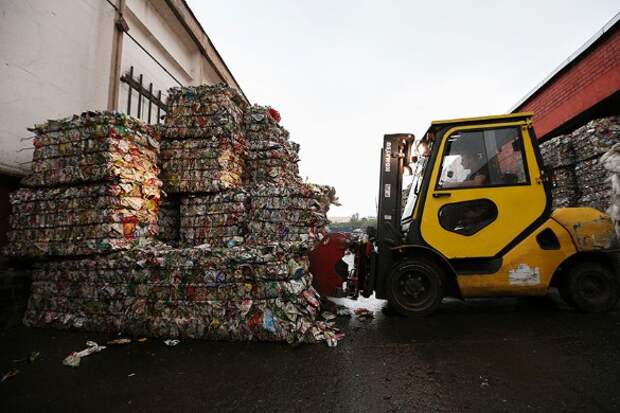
150 99
158 107
129 96
140 99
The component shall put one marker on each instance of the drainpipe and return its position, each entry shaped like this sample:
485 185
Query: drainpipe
120 27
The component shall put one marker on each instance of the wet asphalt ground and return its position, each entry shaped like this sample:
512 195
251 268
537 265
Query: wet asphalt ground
512 355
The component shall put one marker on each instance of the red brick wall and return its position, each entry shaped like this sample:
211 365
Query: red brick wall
592 78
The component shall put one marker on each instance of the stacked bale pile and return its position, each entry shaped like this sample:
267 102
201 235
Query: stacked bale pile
611 162
204 147
231 294
203 155
272 157
93 188
558 154
217 219
282 207
581 179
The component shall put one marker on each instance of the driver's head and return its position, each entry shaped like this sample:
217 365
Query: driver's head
469 160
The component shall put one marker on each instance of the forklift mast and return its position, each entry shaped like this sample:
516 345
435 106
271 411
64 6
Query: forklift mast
395 156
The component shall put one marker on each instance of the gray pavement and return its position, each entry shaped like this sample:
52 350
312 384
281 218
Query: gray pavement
485 355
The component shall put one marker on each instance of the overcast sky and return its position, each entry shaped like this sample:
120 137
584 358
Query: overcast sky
343 73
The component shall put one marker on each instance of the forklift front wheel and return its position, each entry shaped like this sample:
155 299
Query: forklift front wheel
592 287
415 287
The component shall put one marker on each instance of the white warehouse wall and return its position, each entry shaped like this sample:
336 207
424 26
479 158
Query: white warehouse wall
57 58
55 61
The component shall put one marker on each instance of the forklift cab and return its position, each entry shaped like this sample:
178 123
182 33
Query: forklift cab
478 222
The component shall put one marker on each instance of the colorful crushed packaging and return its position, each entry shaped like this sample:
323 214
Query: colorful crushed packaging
271 156
93 147
79 220
204 148
93 188
203 111
293 213
579 177
217 219
230 293
202 165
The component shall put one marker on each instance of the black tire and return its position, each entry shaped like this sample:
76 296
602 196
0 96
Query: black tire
592 287
415 287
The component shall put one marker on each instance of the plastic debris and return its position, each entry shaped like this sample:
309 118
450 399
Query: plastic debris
171 343
32 357
74 359
9 375
119 341
364 314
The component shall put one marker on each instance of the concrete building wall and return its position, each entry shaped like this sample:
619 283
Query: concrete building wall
55 61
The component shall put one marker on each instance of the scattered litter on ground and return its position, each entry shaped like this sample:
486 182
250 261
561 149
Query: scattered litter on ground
343 311
73 359
364 314
9 374
484 382
32 357
171 343
119 341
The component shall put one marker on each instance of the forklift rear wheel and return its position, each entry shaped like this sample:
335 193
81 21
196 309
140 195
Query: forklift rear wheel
415 287
592 287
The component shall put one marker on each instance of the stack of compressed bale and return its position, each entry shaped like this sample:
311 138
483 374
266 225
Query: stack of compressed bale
271 157
296 213
580 177
611 162
215 284
217 219
558 153
93 188
282 207
591 141
203 155
227 293
203 145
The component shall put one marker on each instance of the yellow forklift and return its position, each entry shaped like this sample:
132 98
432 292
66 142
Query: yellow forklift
478 222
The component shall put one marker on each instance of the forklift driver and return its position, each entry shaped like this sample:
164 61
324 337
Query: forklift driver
476 176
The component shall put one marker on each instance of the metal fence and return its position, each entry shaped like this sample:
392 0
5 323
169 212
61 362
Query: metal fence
150 105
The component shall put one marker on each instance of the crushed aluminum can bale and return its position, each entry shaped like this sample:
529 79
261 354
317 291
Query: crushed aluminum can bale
73 359
9 375
93 188
171 343
204 147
